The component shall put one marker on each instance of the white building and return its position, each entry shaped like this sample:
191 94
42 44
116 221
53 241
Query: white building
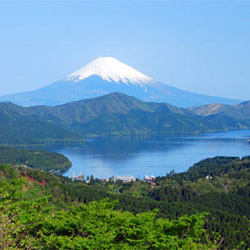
123 178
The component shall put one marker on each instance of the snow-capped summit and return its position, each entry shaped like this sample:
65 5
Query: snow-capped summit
106 75
110 69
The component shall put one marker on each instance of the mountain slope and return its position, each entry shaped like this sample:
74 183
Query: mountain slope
113 114
240 111
19 126
105 75
119 114
173 196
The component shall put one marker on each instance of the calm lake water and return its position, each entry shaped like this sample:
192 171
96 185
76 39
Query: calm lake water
139 156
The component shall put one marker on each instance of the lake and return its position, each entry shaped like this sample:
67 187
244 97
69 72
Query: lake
156 155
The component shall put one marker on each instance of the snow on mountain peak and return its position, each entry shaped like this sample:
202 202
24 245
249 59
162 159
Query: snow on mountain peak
110 69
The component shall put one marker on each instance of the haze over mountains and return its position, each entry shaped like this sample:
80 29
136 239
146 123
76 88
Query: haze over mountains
114 114
240 111
74 114
105 75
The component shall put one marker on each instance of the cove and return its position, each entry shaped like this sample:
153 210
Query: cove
156 155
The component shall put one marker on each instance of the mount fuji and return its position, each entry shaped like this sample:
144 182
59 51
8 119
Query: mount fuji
105 75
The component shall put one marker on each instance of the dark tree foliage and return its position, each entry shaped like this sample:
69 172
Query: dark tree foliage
173 196
38 159
114 114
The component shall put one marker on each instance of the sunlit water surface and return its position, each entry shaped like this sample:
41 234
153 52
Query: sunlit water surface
139 156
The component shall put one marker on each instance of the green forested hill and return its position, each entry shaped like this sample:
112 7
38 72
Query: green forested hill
113 114
119 114
19 126
226 197
37 159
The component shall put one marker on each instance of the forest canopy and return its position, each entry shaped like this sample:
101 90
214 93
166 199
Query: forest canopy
33 224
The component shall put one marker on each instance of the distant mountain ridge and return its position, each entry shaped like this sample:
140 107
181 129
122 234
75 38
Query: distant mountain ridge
239 111
106 75
114 114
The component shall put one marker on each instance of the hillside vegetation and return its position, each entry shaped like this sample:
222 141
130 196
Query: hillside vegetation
225 197
114 114
19 126
37 159
31 223
239 111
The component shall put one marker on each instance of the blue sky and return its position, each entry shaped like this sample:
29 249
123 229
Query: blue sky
200 46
